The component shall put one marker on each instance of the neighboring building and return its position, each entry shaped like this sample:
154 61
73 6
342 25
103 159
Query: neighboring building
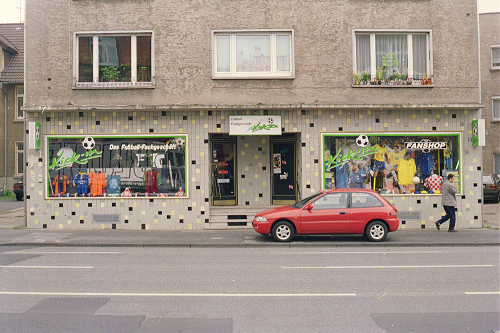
11 101
489 29
182 115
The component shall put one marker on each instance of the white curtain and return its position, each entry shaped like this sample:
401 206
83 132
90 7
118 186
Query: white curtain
392 53
419 56
363 53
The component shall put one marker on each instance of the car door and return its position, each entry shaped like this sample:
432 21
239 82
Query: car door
364 208
327 214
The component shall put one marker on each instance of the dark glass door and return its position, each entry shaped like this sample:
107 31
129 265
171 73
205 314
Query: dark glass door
284 166
223 171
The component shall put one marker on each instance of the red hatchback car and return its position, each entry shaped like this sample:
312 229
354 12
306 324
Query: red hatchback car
338 211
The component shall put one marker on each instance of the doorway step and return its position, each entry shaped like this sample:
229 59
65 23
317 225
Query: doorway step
233 217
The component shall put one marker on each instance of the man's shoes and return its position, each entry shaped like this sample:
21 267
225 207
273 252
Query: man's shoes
452 230
437 226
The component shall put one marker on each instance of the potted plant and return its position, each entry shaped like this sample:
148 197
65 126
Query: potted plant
357 78
365 77
380 75
142 73
111 73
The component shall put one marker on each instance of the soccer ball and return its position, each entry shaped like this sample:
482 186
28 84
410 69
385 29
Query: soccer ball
362 141
88 143
180 142
425 150
416 180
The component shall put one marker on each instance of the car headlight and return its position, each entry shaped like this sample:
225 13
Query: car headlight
260 219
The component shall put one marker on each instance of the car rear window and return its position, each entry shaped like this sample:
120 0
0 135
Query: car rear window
363 200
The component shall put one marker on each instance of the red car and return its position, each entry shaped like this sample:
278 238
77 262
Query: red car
338 211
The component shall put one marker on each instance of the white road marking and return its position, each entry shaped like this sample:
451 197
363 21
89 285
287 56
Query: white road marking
482 292
35 293
366 267
53 252
48 267
361 252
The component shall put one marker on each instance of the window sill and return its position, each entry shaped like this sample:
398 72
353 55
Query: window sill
388 85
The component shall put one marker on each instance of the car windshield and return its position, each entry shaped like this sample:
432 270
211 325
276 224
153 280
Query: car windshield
487 180
303 202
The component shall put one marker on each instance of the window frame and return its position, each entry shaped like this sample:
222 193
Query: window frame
134 83
233 74
495 99
18 107
497 47
373 56
19 164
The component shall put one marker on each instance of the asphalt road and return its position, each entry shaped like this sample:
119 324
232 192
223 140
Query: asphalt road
418 289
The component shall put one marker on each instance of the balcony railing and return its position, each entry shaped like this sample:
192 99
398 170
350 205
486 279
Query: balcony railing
102 83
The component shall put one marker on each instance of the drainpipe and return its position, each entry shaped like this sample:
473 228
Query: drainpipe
5 135
480 116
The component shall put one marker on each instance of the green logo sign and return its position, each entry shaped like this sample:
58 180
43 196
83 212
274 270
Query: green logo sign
66 158
340 159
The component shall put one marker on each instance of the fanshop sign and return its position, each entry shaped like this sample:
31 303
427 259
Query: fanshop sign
426 145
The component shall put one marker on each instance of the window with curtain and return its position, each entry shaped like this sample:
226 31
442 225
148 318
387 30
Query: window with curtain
259 54
495 57
121 59
496 108
393 55
19 101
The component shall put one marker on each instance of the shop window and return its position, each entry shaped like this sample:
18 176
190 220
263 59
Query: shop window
259 54
19 101
19 158
496 108
396 163
107 166
114 60
392 58
495 57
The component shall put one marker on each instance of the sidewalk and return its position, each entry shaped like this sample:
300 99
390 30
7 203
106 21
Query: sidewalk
236 238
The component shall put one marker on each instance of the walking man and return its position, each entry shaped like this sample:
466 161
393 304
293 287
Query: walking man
449 203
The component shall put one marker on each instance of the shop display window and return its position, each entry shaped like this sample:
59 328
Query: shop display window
393 163
116 166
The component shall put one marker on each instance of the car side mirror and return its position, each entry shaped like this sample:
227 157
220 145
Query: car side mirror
308 207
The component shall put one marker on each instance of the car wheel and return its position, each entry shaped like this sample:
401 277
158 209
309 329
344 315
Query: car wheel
19 197
376 231
282 231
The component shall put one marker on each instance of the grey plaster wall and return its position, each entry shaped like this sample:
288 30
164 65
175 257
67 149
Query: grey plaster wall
182 32
489 27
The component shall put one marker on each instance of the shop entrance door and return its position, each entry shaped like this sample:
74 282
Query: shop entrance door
284 171
223 170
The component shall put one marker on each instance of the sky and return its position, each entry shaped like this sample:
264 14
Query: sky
12 11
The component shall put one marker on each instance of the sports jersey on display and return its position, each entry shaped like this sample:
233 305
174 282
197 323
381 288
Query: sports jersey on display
81 181
151 180
406 171
97 182
380 154
59 182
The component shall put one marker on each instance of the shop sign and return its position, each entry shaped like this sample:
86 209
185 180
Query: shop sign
352 155
66 158
255 125
426 145
478 133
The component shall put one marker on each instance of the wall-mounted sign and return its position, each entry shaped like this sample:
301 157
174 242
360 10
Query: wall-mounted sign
34 136
254 125
478 133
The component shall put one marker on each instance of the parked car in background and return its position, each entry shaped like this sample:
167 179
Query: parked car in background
19 189
491 187
337 211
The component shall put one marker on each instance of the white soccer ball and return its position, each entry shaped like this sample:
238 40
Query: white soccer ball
416 180
180 142
362 140
425 150
88 143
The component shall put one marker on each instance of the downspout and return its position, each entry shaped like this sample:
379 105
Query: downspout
5 134
480 116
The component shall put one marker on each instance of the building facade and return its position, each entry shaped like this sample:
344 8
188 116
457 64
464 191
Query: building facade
11 102
185 116
489 28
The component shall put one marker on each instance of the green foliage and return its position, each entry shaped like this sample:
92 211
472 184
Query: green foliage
111 73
